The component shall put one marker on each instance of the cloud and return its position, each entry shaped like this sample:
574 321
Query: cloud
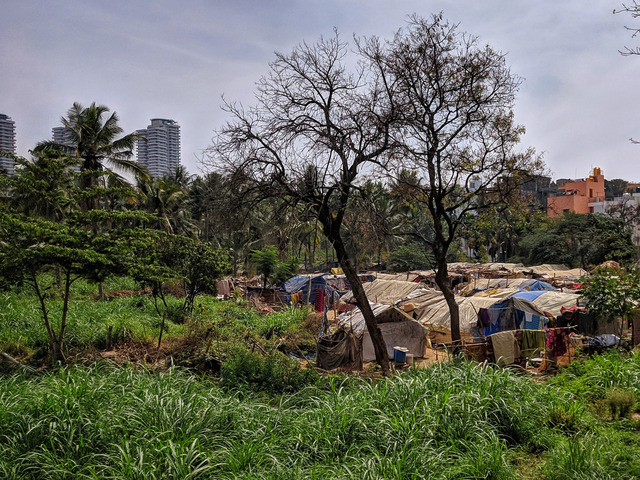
175 60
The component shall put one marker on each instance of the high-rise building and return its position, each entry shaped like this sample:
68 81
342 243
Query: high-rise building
62 136
159 150
7 142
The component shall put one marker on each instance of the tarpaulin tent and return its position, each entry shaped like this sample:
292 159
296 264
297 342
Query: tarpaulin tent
525 310
477 286
396 326
337 350
385 291
301 284
433 312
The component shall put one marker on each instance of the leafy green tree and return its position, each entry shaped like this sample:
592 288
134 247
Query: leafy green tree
285 270
270 267
44 187
615 187
33 246
168 199
410 256
372 224
497 230
199 265
265 262
612 293
580 240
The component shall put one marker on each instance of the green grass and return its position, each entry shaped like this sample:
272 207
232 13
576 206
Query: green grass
88 321
594 377
268 418
451 421
229 324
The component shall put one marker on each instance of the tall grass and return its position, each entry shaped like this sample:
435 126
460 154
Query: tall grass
451 421
594 377
21 322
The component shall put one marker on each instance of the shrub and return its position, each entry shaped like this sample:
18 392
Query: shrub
274 373
619 402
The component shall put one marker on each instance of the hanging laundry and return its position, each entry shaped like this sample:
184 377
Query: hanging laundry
319 303
560 343
505 347
533 342
494 321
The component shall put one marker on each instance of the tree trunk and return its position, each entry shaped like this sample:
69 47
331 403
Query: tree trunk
442 280
379 344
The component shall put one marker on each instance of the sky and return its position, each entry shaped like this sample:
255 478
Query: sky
579 100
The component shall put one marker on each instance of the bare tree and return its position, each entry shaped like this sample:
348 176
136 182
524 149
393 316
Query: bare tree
634 10
457 130
314 130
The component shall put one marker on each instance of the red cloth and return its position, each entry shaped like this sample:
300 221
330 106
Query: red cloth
319 304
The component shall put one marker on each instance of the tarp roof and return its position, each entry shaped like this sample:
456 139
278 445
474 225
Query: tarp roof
518 269
298 282
404 277
433 311
476 286
530 296
385 291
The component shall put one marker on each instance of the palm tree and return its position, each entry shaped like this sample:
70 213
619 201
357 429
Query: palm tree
168 198
93 142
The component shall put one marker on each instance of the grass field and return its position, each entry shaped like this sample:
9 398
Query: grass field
450 421
261 415
134 318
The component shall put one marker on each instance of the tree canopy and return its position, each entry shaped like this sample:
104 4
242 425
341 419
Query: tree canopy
580 240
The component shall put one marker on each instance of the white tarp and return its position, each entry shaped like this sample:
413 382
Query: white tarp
387 292
398 329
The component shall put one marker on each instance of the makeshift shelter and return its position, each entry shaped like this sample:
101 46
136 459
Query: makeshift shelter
432 310
477 286
524 311
307 287
397 328
337 350
387 292
403 277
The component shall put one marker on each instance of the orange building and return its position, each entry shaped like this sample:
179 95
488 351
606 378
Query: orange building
575 195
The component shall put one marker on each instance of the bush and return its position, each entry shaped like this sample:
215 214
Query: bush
619 402
274 373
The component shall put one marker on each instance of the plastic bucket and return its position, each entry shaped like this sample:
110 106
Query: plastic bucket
409 359
400 354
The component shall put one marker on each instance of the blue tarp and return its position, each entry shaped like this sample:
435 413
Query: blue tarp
529 296
300 284
535 285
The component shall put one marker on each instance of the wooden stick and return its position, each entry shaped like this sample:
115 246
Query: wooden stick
13 360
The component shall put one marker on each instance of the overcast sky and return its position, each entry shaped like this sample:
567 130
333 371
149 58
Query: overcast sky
175 59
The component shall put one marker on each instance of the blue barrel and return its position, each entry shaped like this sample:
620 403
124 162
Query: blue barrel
400 354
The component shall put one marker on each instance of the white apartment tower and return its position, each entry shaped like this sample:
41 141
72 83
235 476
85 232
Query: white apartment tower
62 136
160 152
7 142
